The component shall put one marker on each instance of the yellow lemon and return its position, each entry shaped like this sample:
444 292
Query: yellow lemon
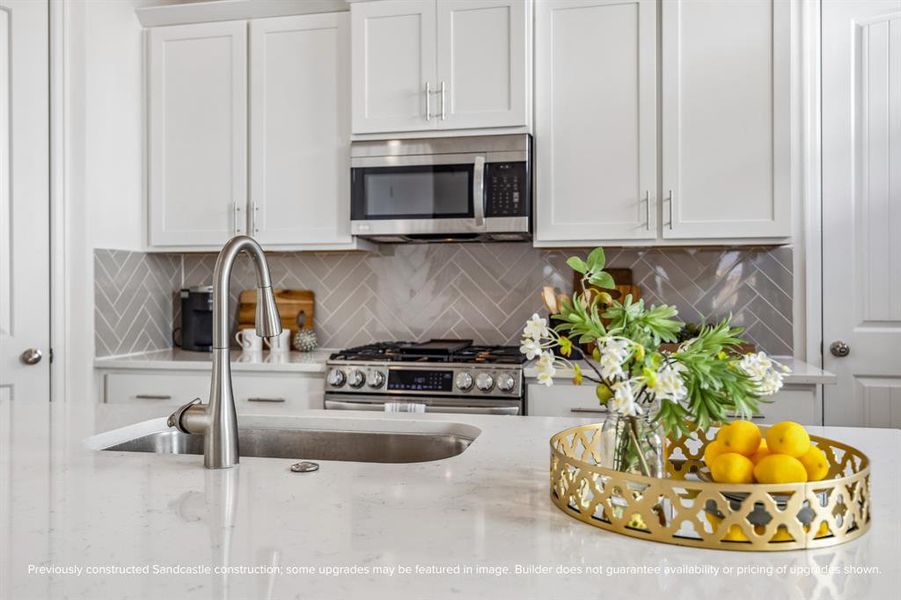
740 436
815 463
732 467
712 450
762 451
788 438
780 468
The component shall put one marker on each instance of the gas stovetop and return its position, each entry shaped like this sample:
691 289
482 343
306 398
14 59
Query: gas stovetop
435 368
433 351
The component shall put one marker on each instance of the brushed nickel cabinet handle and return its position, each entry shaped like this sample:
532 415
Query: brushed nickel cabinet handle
647 209
443 112
428 101
671 200
591 411
258 399
153 397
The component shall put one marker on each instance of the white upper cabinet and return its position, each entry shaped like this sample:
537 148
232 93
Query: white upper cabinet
393 51
726 119
725 151
289 94
596 120
300 129
197 133
421 65
482 63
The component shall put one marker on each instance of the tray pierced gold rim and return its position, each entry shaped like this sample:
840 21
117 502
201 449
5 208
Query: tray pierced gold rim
674 510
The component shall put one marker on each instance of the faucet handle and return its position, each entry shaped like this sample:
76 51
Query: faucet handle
174 419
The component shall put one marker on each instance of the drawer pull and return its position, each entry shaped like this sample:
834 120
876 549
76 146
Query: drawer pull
592 411
265 399
153 397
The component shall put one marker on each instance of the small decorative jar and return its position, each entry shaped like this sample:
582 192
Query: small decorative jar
633 444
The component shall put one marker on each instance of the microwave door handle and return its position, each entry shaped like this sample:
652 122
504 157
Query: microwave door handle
478 191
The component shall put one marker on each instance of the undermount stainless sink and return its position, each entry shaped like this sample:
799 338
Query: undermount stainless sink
357 446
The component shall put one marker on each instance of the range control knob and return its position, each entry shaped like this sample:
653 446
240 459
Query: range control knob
375 379
505 382
484 382
463 381
335 378
356 378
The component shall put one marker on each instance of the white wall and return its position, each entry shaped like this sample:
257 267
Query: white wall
99 86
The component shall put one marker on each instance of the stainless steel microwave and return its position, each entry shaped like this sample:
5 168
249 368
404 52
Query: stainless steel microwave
442 189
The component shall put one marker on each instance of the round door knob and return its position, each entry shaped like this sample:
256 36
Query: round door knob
336 378
356 378
505 382
375 379
32 356
463 381
484 382
840 349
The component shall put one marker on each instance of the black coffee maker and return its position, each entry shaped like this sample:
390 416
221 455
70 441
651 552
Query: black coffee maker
196 331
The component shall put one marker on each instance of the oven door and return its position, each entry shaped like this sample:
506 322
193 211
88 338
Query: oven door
469 406
418 195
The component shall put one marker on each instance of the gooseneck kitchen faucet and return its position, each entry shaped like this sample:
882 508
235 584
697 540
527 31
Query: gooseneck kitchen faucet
217 420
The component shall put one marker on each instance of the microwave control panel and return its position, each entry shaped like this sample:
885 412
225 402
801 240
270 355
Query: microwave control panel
507 187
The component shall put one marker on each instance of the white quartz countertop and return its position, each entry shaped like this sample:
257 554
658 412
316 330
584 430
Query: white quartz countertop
802 373
176 359
264 532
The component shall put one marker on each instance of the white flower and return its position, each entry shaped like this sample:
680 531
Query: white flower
531 348
546 370
623 400
536 328
613 353
765 373
668 383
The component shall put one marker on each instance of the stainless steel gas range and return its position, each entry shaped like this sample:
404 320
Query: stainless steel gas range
446 376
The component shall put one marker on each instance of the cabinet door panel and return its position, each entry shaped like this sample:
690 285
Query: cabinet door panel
596 120
393 50
300 129
726 113
197 131
482 62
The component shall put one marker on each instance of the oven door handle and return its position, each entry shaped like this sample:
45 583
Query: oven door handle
478 190
470 410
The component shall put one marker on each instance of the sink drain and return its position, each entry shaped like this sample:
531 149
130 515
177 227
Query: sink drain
304 466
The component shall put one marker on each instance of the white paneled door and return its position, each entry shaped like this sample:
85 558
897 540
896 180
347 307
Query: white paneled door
300 129
482 66
861 137
24 202
596 120
197 183
393 51
726 112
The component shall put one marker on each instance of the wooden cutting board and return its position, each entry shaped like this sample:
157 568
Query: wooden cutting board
290 303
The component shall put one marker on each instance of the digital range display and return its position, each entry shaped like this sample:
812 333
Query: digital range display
420 381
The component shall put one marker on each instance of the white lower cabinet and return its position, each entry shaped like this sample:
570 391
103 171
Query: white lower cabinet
255 392
799 403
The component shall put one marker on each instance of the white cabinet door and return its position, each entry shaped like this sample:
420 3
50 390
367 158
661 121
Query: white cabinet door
300 130
482 63
197 131
726 118
596 120
393 50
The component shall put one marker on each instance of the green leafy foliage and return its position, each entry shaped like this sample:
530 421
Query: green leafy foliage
717 388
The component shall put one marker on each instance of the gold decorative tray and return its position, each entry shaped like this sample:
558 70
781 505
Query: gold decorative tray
683 509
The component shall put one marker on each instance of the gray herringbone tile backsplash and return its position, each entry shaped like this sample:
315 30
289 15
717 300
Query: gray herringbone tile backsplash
413 292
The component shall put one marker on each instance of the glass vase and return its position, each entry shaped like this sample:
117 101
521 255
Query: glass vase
633 444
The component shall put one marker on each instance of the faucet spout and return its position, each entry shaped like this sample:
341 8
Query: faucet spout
217 420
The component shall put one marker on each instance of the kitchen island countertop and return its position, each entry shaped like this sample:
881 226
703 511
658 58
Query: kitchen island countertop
344 531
